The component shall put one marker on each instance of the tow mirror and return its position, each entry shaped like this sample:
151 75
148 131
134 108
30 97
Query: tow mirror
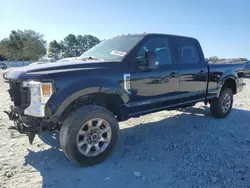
152 60
148 61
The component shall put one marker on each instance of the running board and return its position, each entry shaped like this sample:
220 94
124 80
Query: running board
170 107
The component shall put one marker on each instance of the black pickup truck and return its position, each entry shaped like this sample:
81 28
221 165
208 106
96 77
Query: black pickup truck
122 77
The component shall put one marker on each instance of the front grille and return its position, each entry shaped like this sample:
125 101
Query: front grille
19 95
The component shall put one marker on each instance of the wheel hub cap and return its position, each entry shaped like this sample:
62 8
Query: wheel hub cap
94 137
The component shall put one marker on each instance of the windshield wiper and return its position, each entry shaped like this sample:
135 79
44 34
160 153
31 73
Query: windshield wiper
91 58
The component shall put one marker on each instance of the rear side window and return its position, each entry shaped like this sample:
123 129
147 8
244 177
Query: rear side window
188 54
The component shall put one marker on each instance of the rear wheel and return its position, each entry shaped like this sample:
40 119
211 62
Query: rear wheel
221 107
89 135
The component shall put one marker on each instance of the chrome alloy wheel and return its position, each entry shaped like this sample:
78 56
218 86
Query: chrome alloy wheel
94 137
226 103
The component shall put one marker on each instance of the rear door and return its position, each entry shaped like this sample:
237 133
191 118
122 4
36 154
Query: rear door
193 70
159 86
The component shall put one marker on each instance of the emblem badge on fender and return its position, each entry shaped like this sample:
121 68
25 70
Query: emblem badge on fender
127 84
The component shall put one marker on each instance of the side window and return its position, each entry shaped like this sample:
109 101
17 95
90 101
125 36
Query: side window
159 47
188 54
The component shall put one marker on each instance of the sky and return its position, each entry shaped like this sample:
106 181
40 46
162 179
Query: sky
222 27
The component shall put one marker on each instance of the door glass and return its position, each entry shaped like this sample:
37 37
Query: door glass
160 47
188 54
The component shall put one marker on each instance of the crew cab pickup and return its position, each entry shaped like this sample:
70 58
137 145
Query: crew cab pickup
120 78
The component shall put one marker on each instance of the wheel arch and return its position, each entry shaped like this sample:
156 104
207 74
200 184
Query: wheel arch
229 81
109 98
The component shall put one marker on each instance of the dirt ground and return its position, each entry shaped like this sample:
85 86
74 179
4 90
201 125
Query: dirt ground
181 148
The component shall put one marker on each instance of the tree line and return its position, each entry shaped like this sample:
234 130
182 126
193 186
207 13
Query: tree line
72 46
216 59
29 45
23 45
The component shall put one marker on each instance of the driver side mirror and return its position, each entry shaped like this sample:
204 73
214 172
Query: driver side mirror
152 60
148 62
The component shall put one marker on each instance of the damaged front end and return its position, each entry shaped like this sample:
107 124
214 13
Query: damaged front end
28 109
21 127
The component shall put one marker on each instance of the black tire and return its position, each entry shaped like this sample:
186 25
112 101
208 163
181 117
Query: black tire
4 68
216 106
74 122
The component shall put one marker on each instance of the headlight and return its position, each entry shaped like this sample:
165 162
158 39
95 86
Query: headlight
40 93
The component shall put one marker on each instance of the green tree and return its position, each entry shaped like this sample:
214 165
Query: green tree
63 47
86 42
34 45
23 45
71 46
243 59
17 44
5 49
54 49
213 58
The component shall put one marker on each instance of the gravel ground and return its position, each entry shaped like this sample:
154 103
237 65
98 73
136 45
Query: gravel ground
184 148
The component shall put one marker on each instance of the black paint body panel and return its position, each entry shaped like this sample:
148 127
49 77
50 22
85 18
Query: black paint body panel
167 87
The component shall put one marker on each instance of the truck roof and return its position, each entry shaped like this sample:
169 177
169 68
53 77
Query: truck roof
156 34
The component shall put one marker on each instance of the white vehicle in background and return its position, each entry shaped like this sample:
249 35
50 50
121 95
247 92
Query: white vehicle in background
67 59
3 66
37 63
43 62
60 60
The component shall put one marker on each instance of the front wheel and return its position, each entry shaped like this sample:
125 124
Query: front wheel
89 135
221 107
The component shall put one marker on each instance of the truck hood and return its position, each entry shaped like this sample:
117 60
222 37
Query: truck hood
55 67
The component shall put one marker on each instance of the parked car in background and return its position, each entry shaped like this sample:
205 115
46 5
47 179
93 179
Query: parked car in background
247 68
3 66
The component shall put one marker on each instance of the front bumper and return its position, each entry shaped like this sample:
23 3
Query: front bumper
24 124
27 124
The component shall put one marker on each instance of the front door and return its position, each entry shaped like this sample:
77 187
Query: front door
156 86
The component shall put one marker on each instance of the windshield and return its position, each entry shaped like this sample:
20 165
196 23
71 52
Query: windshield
112 49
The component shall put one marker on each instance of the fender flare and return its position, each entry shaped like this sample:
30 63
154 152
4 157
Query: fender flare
223 80
114 89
